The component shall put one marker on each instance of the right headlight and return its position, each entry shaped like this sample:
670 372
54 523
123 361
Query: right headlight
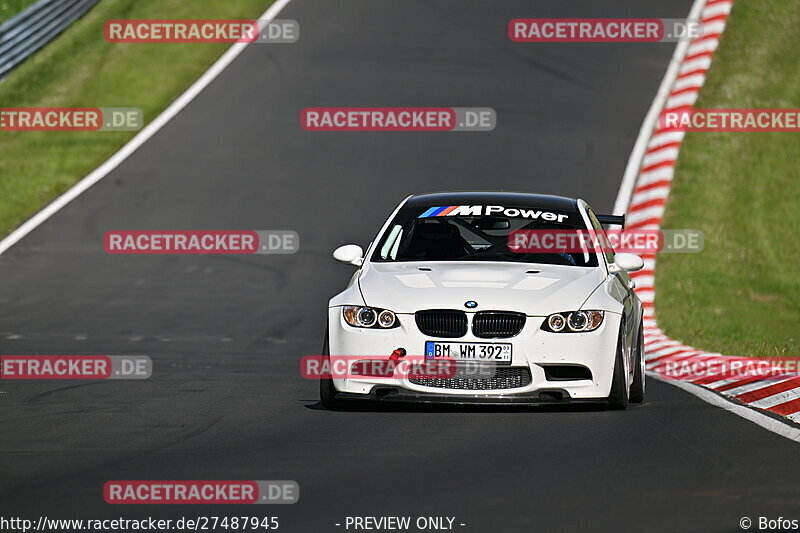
369 317
573 321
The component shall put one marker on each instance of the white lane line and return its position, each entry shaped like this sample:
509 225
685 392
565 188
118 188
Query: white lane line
114 161
767 422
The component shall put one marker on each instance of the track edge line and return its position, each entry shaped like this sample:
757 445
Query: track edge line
139 139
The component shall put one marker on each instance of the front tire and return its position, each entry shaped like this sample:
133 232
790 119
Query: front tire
327 391
618 397
637 387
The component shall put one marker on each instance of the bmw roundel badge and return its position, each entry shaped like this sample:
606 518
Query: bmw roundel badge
471 304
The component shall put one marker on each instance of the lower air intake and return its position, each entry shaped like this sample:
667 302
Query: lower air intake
500 378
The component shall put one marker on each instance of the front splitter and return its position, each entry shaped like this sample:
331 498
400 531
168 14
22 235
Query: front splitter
535 398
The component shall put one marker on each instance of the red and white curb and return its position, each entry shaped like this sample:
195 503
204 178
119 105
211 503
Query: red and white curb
653 167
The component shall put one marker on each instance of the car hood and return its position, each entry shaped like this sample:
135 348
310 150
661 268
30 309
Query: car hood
533 289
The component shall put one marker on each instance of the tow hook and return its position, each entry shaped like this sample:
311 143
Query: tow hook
397 354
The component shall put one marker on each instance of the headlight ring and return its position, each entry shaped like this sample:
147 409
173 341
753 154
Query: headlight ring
573 321
360 316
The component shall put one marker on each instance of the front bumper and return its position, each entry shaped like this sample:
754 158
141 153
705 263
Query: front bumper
533 348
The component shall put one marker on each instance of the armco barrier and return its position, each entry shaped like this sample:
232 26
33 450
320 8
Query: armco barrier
39 23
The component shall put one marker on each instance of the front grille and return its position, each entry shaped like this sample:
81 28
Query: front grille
497 324
442 322
499 378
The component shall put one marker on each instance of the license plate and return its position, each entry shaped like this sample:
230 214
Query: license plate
469 351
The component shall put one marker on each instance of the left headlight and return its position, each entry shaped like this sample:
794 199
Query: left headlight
573 321
369 317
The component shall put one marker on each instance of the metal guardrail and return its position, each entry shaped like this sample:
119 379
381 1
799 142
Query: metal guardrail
34 27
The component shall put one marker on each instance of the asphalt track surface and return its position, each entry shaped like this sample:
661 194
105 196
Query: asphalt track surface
225 332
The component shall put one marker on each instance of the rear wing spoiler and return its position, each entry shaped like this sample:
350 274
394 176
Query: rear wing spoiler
613 220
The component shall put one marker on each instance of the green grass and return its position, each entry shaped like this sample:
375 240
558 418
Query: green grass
81 69
741 295
9 8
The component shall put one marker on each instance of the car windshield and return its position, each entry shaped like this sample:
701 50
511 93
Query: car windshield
475 233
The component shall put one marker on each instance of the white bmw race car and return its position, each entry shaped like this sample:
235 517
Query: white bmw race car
442 283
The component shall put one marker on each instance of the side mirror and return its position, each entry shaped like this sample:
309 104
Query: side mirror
626 262
352 254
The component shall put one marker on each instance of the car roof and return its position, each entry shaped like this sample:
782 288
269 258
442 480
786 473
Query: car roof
516 199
